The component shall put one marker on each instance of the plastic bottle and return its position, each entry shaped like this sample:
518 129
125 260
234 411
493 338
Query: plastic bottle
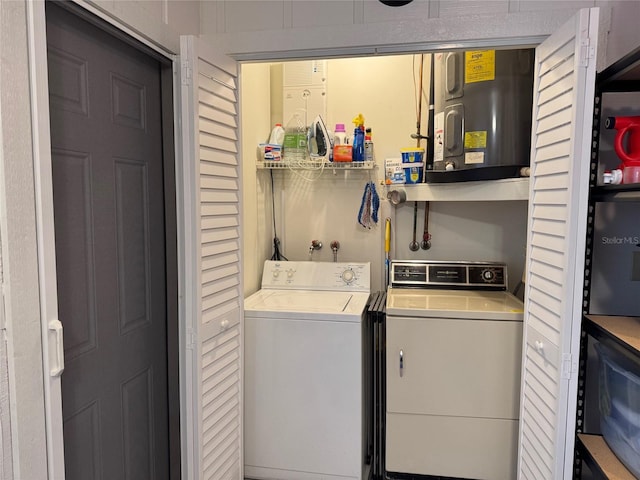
277 135
340 135
294 147
368 145
358 139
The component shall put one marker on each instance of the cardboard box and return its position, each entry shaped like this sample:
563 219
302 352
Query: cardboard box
393 171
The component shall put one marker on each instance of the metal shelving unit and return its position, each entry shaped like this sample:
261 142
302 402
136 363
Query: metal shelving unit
600 459
618 332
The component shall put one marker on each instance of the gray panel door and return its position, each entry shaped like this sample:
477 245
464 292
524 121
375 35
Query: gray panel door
105 104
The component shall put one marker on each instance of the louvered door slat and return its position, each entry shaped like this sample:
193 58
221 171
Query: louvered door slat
553 181
555 247
539 319
211 123
219 170
217 143
224 270
545 241
550 137
538 405
555 120
552 289
223 259
558 164
211 100
561 101
219 234
215 128
209 155
215 196
550 197
560 150
553 212
208 211
218 183
217 287
210 111
555 76
218 221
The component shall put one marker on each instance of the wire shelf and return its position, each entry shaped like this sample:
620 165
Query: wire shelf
315 165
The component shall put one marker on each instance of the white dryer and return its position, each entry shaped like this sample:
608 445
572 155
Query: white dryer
304 363
453 346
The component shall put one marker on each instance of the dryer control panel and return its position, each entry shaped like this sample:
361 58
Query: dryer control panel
443 274
339 276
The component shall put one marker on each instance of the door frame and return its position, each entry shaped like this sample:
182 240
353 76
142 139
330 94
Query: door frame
51 333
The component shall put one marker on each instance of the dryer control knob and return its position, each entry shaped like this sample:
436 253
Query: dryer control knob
348 276
489 275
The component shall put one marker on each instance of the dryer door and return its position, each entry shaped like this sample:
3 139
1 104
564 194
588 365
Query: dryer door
452 397
442 366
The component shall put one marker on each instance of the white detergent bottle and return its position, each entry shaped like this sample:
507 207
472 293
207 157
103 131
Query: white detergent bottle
277 135
340 135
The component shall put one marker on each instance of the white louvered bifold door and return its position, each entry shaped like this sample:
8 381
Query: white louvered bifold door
560 158
213 294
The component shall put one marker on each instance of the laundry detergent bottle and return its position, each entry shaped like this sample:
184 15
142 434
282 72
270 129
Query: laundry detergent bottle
358 139
277 135
340 135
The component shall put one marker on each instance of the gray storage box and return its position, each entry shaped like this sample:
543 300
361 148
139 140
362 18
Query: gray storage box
620 406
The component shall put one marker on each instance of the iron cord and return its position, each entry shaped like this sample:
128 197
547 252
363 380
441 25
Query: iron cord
276 241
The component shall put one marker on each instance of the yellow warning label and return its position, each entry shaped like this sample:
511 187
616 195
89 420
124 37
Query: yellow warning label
479 66
475 139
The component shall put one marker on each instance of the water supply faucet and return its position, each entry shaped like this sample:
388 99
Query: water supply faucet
315 245
335 246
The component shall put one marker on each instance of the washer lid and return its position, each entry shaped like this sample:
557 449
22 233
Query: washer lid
315 305
462 304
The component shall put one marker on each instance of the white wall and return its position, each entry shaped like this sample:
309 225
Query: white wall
6 462
257 217
162 21
624 35
257 29
297 29
19 254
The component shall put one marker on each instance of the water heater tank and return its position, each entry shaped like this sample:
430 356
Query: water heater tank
482 120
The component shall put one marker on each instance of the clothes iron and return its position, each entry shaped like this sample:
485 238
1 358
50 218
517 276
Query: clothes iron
319 141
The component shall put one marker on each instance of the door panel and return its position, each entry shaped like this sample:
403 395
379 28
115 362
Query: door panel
562 121
107 162
213 376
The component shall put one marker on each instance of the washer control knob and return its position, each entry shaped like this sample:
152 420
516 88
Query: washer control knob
348 276
290 273
275 273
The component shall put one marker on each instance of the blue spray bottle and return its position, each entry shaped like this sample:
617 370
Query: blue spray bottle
358 139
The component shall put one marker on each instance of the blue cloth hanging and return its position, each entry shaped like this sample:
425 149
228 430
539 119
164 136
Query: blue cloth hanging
369 206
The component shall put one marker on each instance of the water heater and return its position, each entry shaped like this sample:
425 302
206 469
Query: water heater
482 122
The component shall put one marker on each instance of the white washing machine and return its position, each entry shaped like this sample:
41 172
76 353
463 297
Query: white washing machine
305 405
454 348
